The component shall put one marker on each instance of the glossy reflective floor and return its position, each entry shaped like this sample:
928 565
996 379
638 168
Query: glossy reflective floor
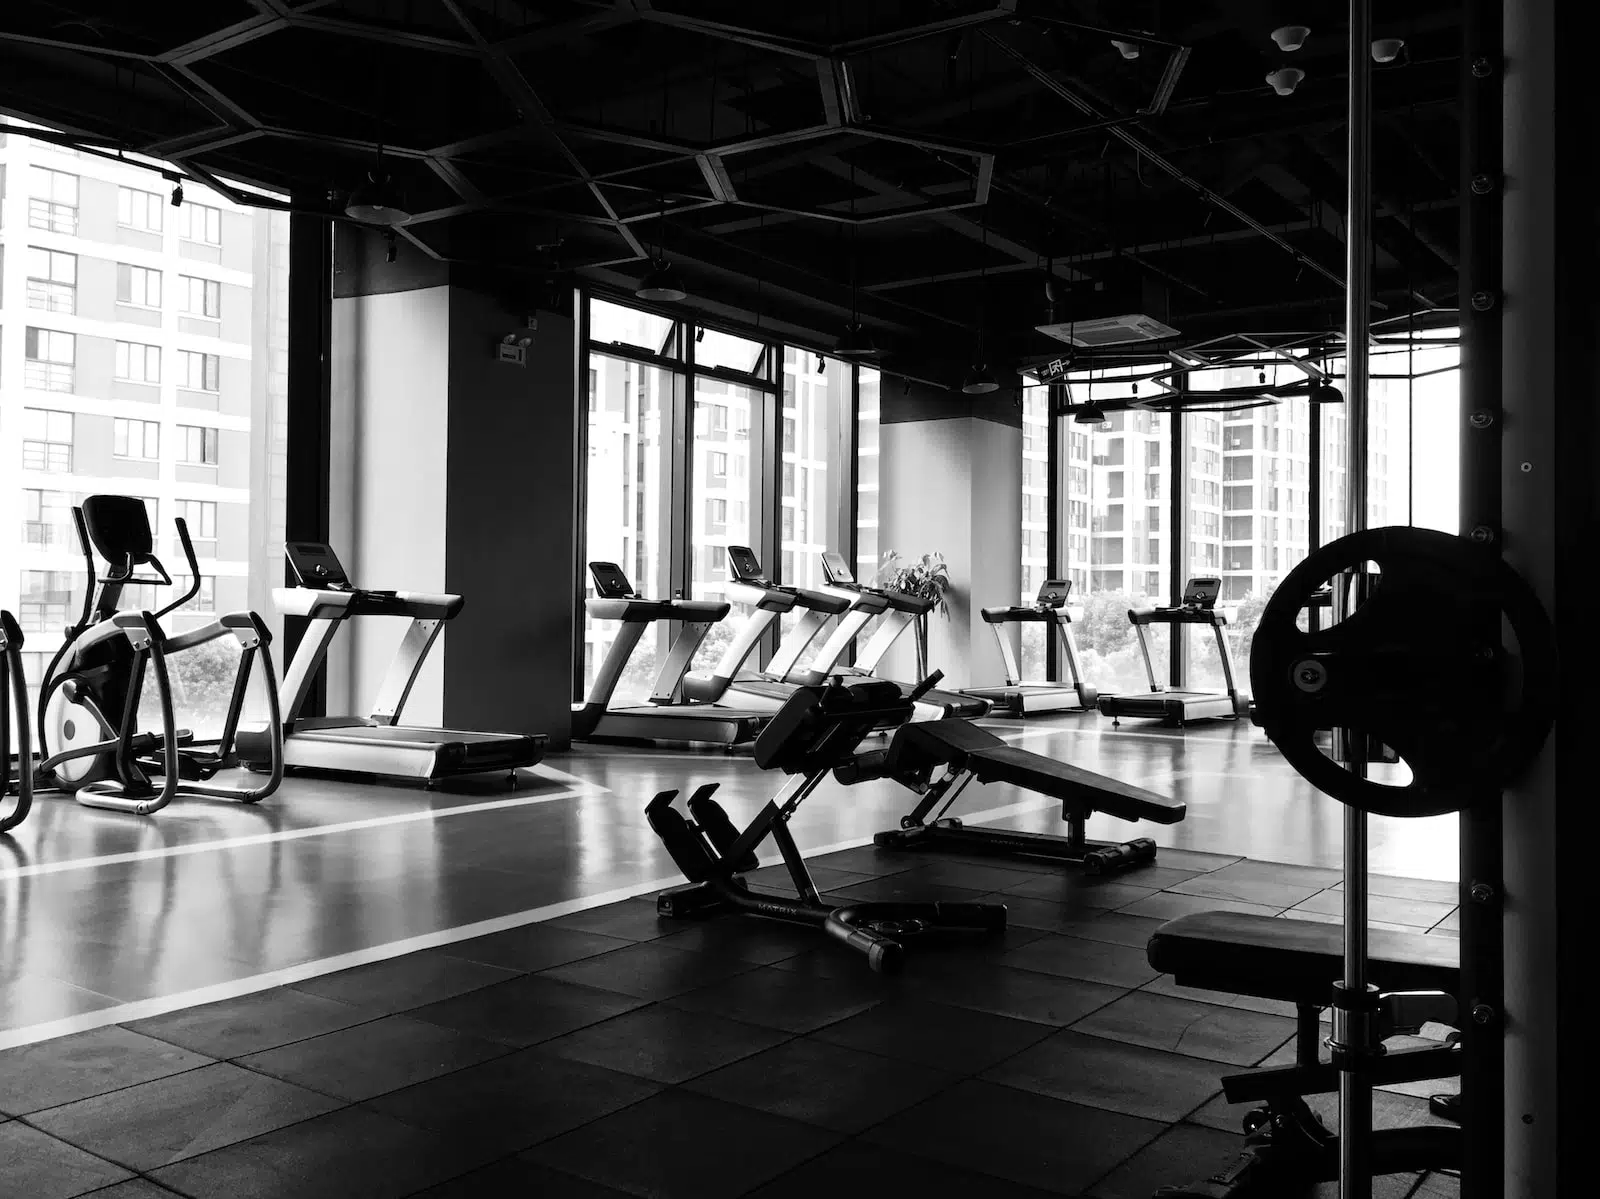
106 918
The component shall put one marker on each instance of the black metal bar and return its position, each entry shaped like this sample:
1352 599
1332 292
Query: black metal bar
1178 523
580 496
308 457
1055 394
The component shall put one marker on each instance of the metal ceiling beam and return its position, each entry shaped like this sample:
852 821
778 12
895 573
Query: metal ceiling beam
1004 11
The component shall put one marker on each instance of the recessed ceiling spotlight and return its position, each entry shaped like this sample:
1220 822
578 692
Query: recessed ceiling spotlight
1290 37
1285 79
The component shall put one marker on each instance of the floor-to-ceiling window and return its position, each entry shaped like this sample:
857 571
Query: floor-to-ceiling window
1033 659
144 353
867 551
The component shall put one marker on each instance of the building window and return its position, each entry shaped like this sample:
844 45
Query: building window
197 372
52 280
197 445
45 601
49 357
719 465
139 209
196 222
201 517
199 297
136 439
46 440
205 599
46 518
53 201
138 363
138 285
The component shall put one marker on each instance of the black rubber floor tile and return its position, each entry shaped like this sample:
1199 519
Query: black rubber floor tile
679 1145
344 1155
1432 890
649 971
1114 928
747 938
857 1168
34 1165
370 1059
252 1023
663 1043
1413 913
408 981
776 878
1044 915
66 1069
866 859
516 1176
526 1010
1250 1003
974 876
1218 1034
935 1034
535 947
157 1123
904 888
134 1188
1224 884
1029 1139
1092 961
789 1000
1192 859
827 1085
1169 905
1103 891
631 920
1184 1153
1019 994
1282 872
1129 1079
514 1102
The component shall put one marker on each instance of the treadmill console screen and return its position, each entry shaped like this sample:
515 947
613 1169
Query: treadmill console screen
1054 593
316 565
609 581
835 569
745 565
1202 593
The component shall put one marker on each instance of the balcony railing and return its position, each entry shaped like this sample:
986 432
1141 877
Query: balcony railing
52 297
44 534
47 376
54 457
51 216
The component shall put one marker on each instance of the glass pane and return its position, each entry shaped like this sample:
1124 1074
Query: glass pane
1116 487
1436 440
721 498
712 348
68 454
613 324
814 439
630 407
867 473
1034 650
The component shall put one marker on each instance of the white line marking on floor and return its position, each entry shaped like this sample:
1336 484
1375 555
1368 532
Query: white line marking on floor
297 834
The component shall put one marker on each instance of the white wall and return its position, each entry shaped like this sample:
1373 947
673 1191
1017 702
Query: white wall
955 487
387 517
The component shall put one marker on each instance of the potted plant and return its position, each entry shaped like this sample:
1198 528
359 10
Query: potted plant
927 577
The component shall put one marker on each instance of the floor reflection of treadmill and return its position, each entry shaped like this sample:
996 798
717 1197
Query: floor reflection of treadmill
1020 696
378 744
670 715
1180 707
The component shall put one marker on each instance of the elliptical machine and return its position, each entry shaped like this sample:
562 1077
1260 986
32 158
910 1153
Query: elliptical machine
13 696
88 715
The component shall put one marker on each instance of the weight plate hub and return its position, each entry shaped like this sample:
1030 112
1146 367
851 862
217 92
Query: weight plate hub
1448 659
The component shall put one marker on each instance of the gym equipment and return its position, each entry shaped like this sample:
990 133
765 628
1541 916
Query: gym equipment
1420 663
899 611
1019 697
672 714
1398 667
767 690
818 729
967 753
14 698
89 696
1177 708
378 744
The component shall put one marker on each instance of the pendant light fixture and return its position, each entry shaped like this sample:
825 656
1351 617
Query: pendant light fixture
661 284
377 201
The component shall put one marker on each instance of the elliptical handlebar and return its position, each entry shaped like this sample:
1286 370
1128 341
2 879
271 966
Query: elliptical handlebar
194 568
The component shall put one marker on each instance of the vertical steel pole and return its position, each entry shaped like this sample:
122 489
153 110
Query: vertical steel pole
1355 1093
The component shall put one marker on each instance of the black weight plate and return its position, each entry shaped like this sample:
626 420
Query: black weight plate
1420 666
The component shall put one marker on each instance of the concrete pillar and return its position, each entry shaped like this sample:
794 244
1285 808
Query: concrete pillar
950 481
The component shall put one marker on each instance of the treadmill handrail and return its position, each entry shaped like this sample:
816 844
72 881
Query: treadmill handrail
316 603
644 611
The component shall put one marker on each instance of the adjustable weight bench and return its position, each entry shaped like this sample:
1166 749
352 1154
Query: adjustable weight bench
1297 961
967 753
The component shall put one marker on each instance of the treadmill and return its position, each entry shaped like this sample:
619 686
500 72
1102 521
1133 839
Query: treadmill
899 610
671 714
1178 708
1020 697
379 743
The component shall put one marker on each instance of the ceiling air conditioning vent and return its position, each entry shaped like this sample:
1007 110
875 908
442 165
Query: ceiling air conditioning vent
1109 330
